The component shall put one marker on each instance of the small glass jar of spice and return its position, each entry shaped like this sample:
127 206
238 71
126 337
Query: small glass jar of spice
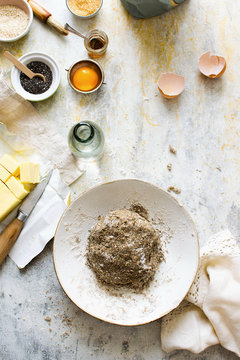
96 43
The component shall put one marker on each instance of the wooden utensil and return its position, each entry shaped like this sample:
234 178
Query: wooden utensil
46 17
10 234
9 237
22 67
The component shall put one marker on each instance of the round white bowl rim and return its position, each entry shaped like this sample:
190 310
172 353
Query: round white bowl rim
85 17
31 56
27 28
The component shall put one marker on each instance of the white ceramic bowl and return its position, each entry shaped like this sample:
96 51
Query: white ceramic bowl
173 277
84 17
26 59
28 10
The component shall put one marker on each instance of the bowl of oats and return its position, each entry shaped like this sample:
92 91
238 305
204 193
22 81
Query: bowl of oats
84 9
15 19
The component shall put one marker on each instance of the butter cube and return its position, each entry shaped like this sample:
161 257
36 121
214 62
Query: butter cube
16 188
28 187
29 173
4 174
8 201
10 164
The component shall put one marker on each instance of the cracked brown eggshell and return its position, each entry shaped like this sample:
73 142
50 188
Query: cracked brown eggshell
212 66
170 85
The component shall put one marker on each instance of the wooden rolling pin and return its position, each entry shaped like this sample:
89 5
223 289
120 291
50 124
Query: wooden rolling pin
46 16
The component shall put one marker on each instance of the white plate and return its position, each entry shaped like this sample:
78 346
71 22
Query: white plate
173 277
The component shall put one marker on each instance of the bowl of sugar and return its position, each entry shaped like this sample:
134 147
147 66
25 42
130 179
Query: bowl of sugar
15 19
84 9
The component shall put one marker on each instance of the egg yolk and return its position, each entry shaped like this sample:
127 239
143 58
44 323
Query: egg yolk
85 79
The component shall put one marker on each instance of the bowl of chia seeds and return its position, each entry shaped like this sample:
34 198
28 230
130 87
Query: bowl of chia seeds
36 89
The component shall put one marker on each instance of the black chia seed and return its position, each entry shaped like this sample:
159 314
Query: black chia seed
36 85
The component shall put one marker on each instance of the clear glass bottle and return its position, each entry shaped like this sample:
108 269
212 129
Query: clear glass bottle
86 140
96 43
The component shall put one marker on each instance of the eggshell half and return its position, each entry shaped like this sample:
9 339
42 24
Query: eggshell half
211 65
170 85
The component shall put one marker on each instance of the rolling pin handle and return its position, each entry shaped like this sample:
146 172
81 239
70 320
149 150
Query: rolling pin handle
39 11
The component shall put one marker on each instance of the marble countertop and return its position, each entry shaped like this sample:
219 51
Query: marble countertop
37 320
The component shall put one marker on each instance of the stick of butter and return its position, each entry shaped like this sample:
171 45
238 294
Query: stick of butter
8 201
4 174
29 173
16 188
10 164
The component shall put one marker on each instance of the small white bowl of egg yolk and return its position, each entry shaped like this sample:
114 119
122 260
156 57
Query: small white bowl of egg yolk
85 76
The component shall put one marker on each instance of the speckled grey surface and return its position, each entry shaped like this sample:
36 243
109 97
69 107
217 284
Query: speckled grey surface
202 124
29 297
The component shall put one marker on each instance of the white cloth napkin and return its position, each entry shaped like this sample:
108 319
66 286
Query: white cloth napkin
210 314
41 224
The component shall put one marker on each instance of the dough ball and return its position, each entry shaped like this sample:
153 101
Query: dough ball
124 250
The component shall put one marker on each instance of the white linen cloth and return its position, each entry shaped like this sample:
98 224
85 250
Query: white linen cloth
210 313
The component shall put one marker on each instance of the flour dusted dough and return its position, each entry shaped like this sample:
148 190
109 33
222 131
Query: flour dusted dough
124 250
